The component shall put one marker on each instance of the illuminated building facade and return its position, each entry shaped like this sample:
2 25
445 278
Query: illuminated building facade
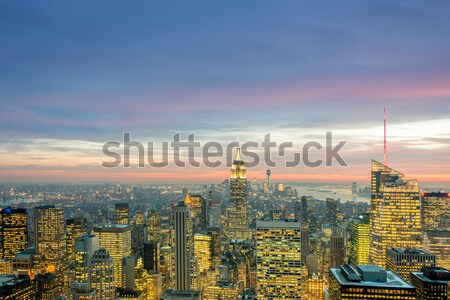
368 282
435 210
203 251
50 236
395 215
13 231
438 243
85 246
432 283
315 287
101 274
116 239
122 213
359 240
75 227
154 226
223 291
238 222
16 288
403 261
278 260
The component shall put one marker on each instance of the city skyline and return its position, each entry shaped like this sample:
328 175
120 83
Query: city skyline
74 78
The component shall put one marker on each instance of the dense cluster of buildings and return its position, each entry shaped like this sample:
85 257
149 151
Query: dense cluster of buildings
248 241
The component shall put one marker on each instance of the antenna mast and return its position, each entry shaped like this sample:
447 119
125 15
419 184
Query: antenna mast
385 144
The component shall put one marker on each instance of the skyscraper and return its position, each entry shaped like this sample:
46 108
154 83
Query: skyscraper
151 256
13 231
122 213
359 240
331 212
438 243
116 239
278 260
50 236
154 226
404 261
238 222
203 250
436 210
432 283
395 212
337 251
368 282
75 227
183 246
85 246
101 274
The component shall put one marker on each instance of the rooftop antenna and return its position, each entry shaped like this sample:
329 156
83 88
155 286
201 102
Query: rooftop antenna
385 144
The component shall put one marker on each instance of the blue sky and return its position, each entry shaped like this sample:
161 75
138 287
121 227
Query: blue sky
81 73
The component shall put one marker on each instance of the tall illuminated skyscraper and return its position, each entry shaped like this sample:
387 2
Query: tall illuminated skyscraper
154 226
278 260
116 239
50 236
101 274
359 240
13 231
183 246
395 212
238 222
122 213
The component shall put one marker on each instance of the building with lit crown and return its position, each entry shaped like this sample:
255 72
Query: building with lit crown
238 221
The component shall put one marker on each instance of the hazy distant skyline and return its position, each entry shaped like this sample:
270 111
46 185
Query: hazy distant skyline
75 75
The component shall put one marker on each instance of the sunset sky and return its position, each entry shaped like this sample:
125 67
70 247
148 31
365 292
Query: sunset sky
74 75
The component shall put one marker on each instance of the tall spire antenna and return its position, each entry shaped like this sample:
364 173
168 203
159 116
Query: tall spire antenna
385 143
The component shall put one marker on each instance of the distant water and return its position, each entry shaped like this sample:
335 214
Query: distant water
321 191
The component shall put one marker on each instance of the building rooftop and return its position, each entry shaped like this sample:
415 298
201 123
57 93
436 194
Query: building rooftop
112 227
410 250
278 224
393 281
